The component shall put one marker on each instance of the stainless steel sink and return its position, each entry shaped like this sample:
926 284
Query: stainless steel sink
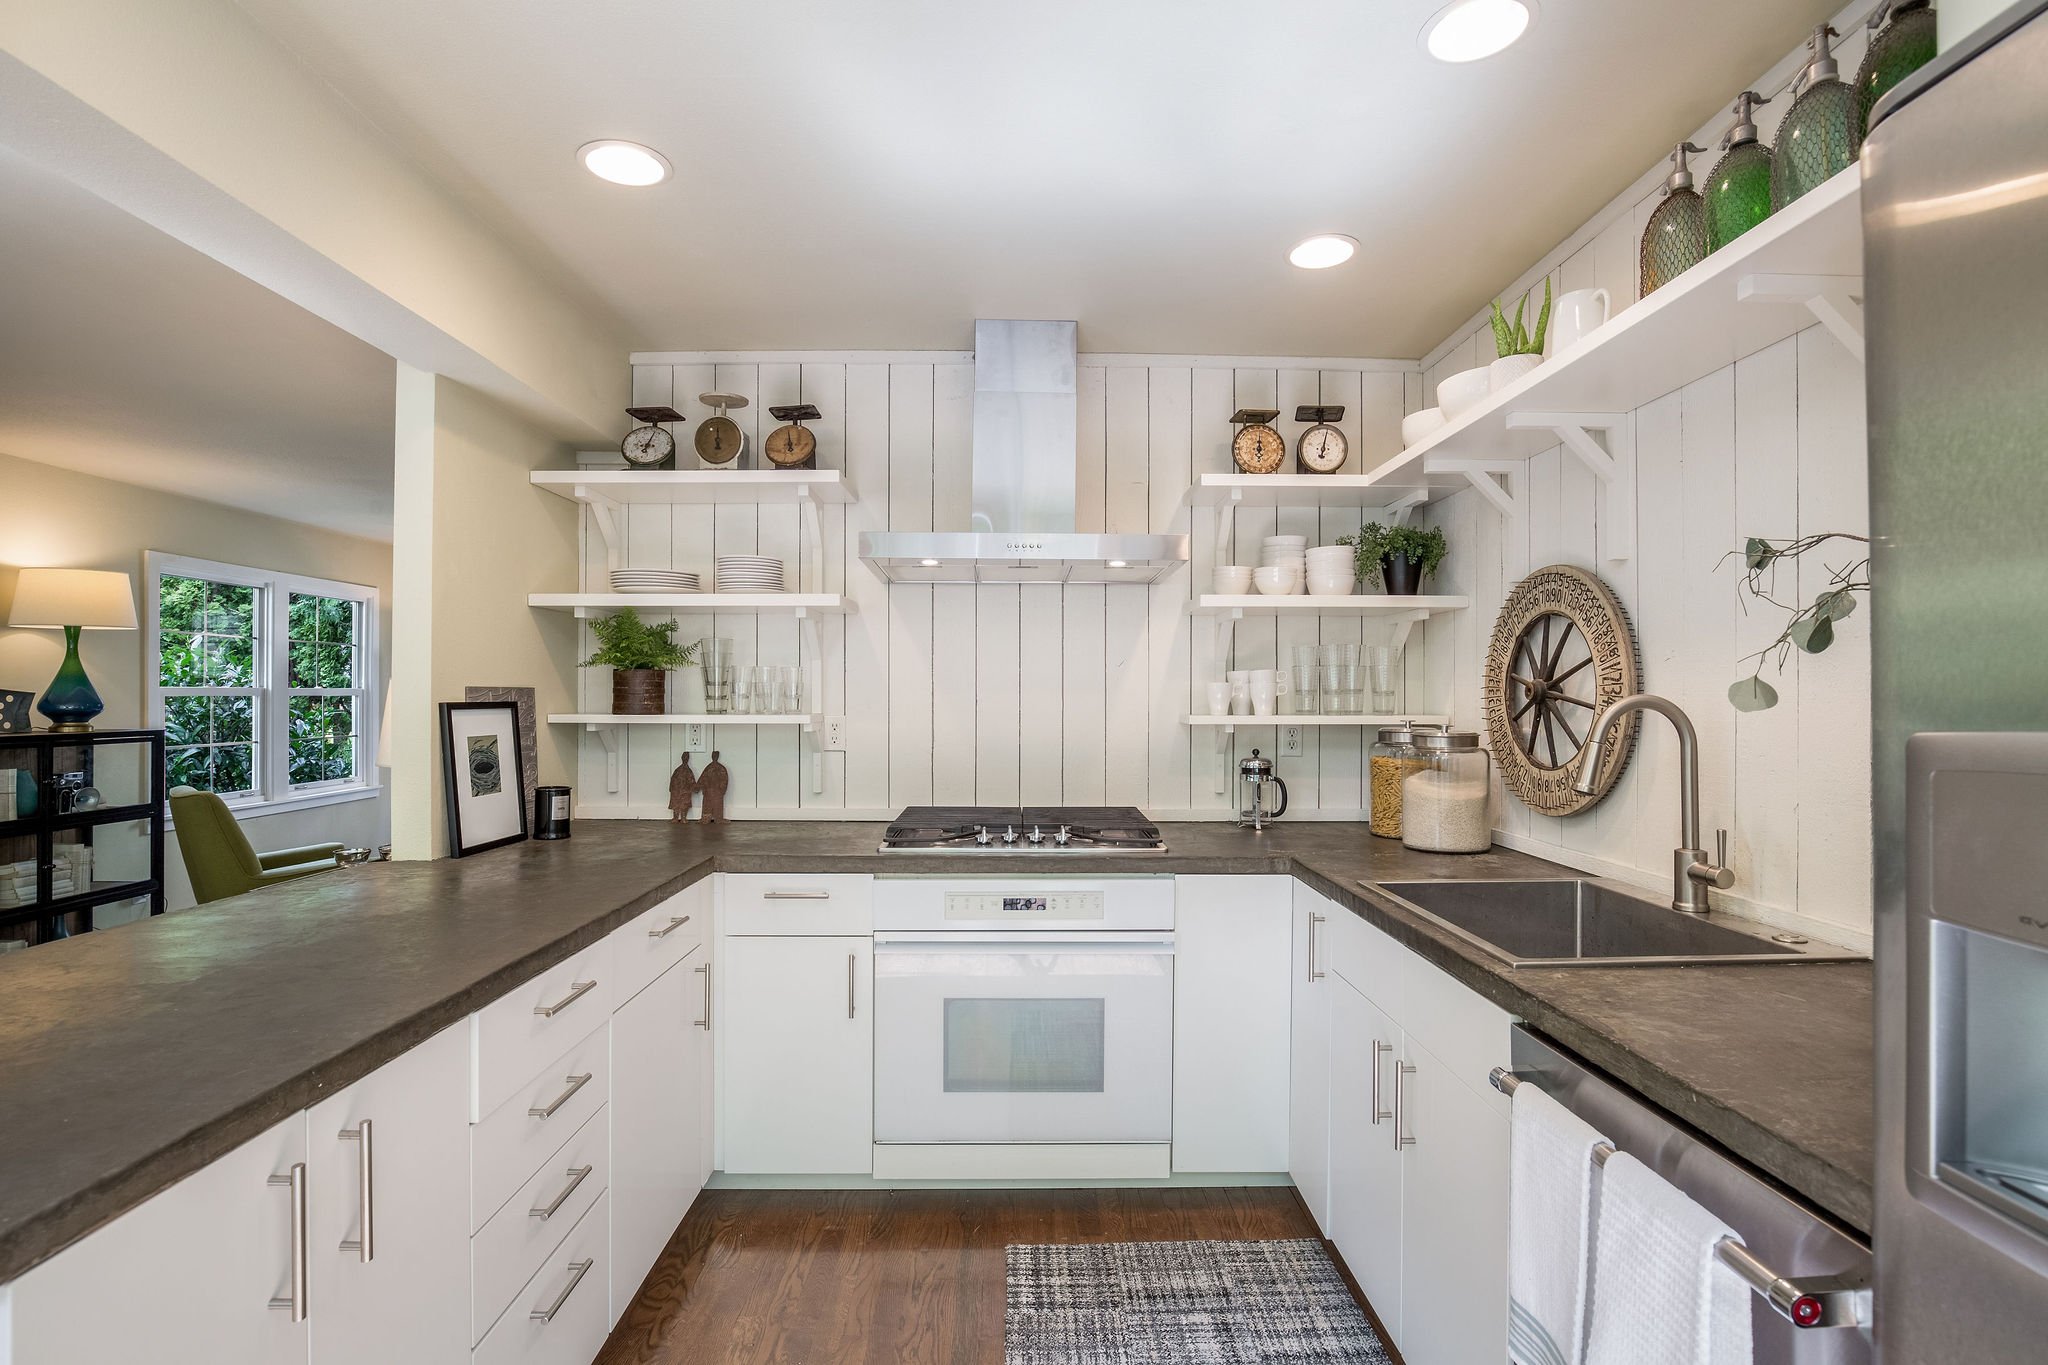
1579 923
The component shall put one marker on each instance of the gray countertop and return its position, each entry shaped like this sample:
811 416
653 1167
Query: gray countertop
132 1057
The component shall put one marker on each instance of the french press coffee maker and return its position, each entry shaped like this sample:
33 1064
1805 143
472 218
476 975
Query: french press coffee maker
1254 775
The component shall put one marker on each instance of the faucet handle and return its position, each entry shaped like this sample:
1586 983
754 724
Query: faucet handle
1721 847
1723 876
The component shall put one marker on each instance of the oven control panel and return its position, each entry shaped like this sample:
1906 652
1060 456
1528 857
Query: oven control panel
995 906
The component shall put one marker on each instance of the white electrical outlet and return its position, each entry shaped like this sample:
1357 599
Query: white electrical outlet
834 740
1290 741
694 738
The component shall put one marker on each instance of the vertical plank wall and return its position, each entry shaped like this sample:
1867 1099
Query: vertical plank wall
1774 446
1003 693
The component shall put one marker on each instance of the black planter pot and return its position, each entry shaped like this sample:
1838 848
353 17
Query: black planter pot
1402 575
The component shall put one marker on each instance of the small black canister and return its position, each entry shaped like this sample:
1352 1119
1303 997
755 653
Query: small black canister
550 812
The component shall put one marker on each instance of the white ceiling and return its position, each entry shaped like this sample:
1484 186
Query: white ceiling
877 173
126 354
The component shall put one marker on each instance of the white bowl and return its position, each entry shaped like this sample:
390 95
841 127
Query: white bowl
1331 554
1297 541
1231 580
1417 425
1332 585
1461 392
1276 582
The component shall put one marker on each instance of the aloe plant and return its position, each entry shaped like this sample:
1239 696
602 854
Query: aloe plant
1513 338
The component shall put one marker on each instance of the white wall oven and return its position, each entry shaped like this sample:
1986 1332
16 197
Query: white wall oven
1023 1027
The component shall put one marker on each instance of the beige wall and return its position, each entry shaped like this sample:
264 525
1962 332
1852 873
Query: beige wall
52 518
473 537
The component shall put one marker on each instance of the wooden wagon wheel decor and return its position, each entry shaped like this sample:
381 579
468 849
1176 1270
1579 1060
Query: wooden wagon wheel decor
1562 653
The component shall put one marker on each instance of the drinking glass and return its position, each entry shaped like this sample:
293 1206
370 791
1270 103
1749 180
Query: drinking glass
1383 666
791 686
743 691
767 694
716 655
1304 680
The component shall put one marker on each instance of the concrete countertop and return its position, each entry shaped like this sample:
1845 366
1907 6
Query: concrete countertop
131 1057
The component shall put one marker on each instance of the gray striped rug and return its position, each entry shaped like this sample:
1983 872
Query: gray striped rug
1205 1303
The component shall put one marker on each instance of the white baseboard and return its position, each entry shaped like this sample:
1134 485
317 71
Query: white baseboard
1023 1161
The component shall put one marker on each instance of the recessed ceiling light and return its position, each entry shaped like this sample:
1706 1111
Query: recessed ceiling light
1466 30
928 563
624 163
1119 564
1322 252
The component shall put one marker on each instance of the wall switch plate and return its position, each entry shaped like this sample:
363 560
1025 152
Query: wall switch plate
1290 741
833 740
695 739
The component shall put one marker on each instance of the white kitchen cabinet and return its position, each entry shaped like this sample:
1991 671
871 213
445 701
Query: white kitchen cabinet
190 1277
1308 1098
658 1072
404 1295
1232 953
798 1055
1454 1218
1366 1165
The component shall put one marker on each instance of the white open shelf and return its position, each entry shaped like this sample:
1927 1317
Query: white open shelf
1290 490
805 720
1301 604
679 486
1230 723
588 604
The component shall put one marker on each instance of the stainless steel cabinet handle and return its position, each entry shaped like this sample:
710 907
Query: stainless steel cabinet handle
850 959
796 896
576 1083
546 1211
581 989
1314 972
705 972
577 1270
366 1249
296 1302
1401 1071
1377 1113
674 924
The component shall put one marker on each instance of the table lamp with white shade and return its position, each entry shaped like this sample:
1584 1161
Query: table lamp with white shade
72 600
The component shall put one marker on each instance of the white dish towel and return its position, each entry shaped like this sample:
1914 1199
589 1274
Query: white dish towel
1659 1292
1550 1230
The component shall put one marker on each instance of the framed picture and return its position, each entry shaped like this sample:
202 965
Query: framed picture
484 775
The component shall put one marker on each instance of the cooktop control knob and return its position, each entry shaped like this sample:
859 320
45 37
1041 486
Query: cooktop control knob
1037 835
1061 837
981 835
1009 834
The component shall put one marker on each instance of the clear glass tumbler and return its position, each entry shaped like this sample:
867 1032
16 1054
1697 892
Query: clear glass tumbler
790 688
1383 668
716 656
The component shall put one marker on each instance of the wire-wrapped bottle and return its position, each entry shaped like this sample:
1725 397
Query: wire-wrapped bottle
1821 133
1739 189
1904 45
1676 238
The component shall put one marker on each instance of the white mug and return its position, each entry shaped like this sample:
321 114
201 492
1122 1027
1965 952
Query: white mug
1219 698
1574 315
1262 691
1240 698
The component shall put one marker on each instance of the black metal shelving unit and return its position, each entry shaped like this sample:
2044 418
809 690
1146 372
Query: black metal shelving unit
84 828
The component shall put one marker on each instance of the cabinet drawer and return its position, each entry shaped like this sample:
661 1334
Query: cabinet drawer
514 1036
1367 958
509 1249
657 940
514 1139
1469 1034
559 1316
839 903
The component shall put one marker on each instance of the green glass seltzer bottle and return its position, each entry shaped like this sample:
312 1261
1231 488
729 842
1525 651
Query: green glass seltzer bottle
1739 190
1676 239
1904 46
1821 133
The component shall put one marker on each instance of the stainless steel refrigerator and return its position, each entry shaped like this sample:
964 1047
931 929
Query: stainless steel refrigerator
1955 204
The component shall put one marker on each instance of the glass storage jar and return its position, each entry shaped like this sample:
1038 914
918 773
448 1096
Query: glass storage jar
1444 802
1394 756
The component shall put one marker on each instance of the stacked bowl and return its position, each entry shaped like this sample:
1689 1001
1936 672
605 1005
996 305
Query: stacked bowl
747 573
1332 571
1282 564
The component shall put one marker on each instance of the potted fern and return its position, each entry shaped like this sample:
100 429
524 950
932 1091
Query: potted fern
1399 556
639 655
1521 350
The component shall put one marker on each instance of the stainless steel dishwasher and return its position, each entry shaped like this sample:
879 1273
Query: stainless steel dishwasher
1800 1263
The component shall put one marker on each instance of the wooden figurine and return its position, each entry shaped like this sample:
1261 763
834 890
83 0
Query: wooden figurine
713 784
682 790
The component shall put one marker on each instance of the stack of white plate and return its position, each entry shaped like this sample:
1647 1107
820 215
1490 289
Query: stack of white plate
655 580
748 573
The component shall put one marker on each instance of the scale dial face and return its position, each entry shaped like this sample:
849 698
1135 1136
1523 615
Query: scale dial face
1257 448
648 446
787 447
719 440
1322 449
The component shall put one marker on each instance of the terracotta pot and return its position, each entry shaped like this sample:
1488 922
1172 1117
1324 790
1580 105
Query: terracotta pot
639 692
1402 575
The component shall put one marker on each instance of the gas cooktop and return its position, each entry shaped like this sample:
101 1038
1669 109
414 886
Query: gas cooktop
1022 829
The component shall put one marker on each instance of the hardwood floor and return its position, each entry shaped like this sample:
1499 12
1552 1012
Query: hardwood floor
902 1277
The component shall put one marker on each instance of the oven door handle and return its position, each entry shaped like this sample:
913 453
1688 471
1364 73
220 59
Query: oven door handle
980 941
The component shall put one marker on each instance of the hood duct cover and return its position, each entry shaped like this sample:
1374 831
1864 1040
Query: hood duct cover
1025 475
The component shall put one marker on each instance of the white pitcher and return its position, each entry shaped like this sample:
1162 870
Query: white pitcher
1575 314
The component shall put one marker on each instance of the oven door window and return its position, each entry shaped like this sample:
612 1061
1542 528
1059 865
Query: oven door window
1024 1047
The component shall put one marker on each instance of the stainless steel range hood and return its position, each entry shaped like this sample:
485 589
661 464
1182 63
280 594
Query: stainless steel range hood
1025 418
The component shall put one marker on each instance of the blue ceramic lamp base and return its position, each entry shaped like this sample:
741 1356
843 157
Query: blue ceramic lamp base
70 702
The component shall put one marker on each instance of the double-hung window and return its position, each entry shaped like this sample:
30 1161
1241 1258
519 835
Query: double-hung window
263 681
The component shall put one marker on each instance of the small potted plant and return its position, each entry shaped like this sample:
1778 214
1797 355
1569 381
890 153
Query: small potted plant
639 655
1399 556
1520 349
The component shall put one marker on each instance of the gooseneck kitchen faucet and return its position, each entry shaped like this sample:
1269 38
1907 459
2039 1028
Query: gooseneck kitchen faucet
1691 873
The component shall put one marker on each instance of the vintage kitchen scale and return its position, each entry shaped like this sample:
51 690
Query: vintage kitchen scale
648 446
1257 448
719 439
792 446
1323 448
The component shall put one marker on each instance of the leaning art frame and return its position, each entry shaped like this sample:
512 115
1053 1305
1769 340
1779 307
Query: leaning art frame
483 775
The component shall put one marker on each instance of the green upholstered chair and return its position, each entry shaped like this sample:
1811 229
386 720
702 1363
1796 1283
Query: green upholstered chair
217 854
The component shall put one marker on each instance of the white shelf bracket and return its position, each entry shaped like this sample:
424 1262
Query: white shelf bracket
1836 300
606 515
1402 624
608 736
1613 465
1226 522
1398 511
1498 481
814 698
814 541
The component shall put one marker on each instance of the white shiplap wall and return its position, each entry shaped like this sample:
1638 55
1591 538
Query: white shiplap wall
1003 694
1771 446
